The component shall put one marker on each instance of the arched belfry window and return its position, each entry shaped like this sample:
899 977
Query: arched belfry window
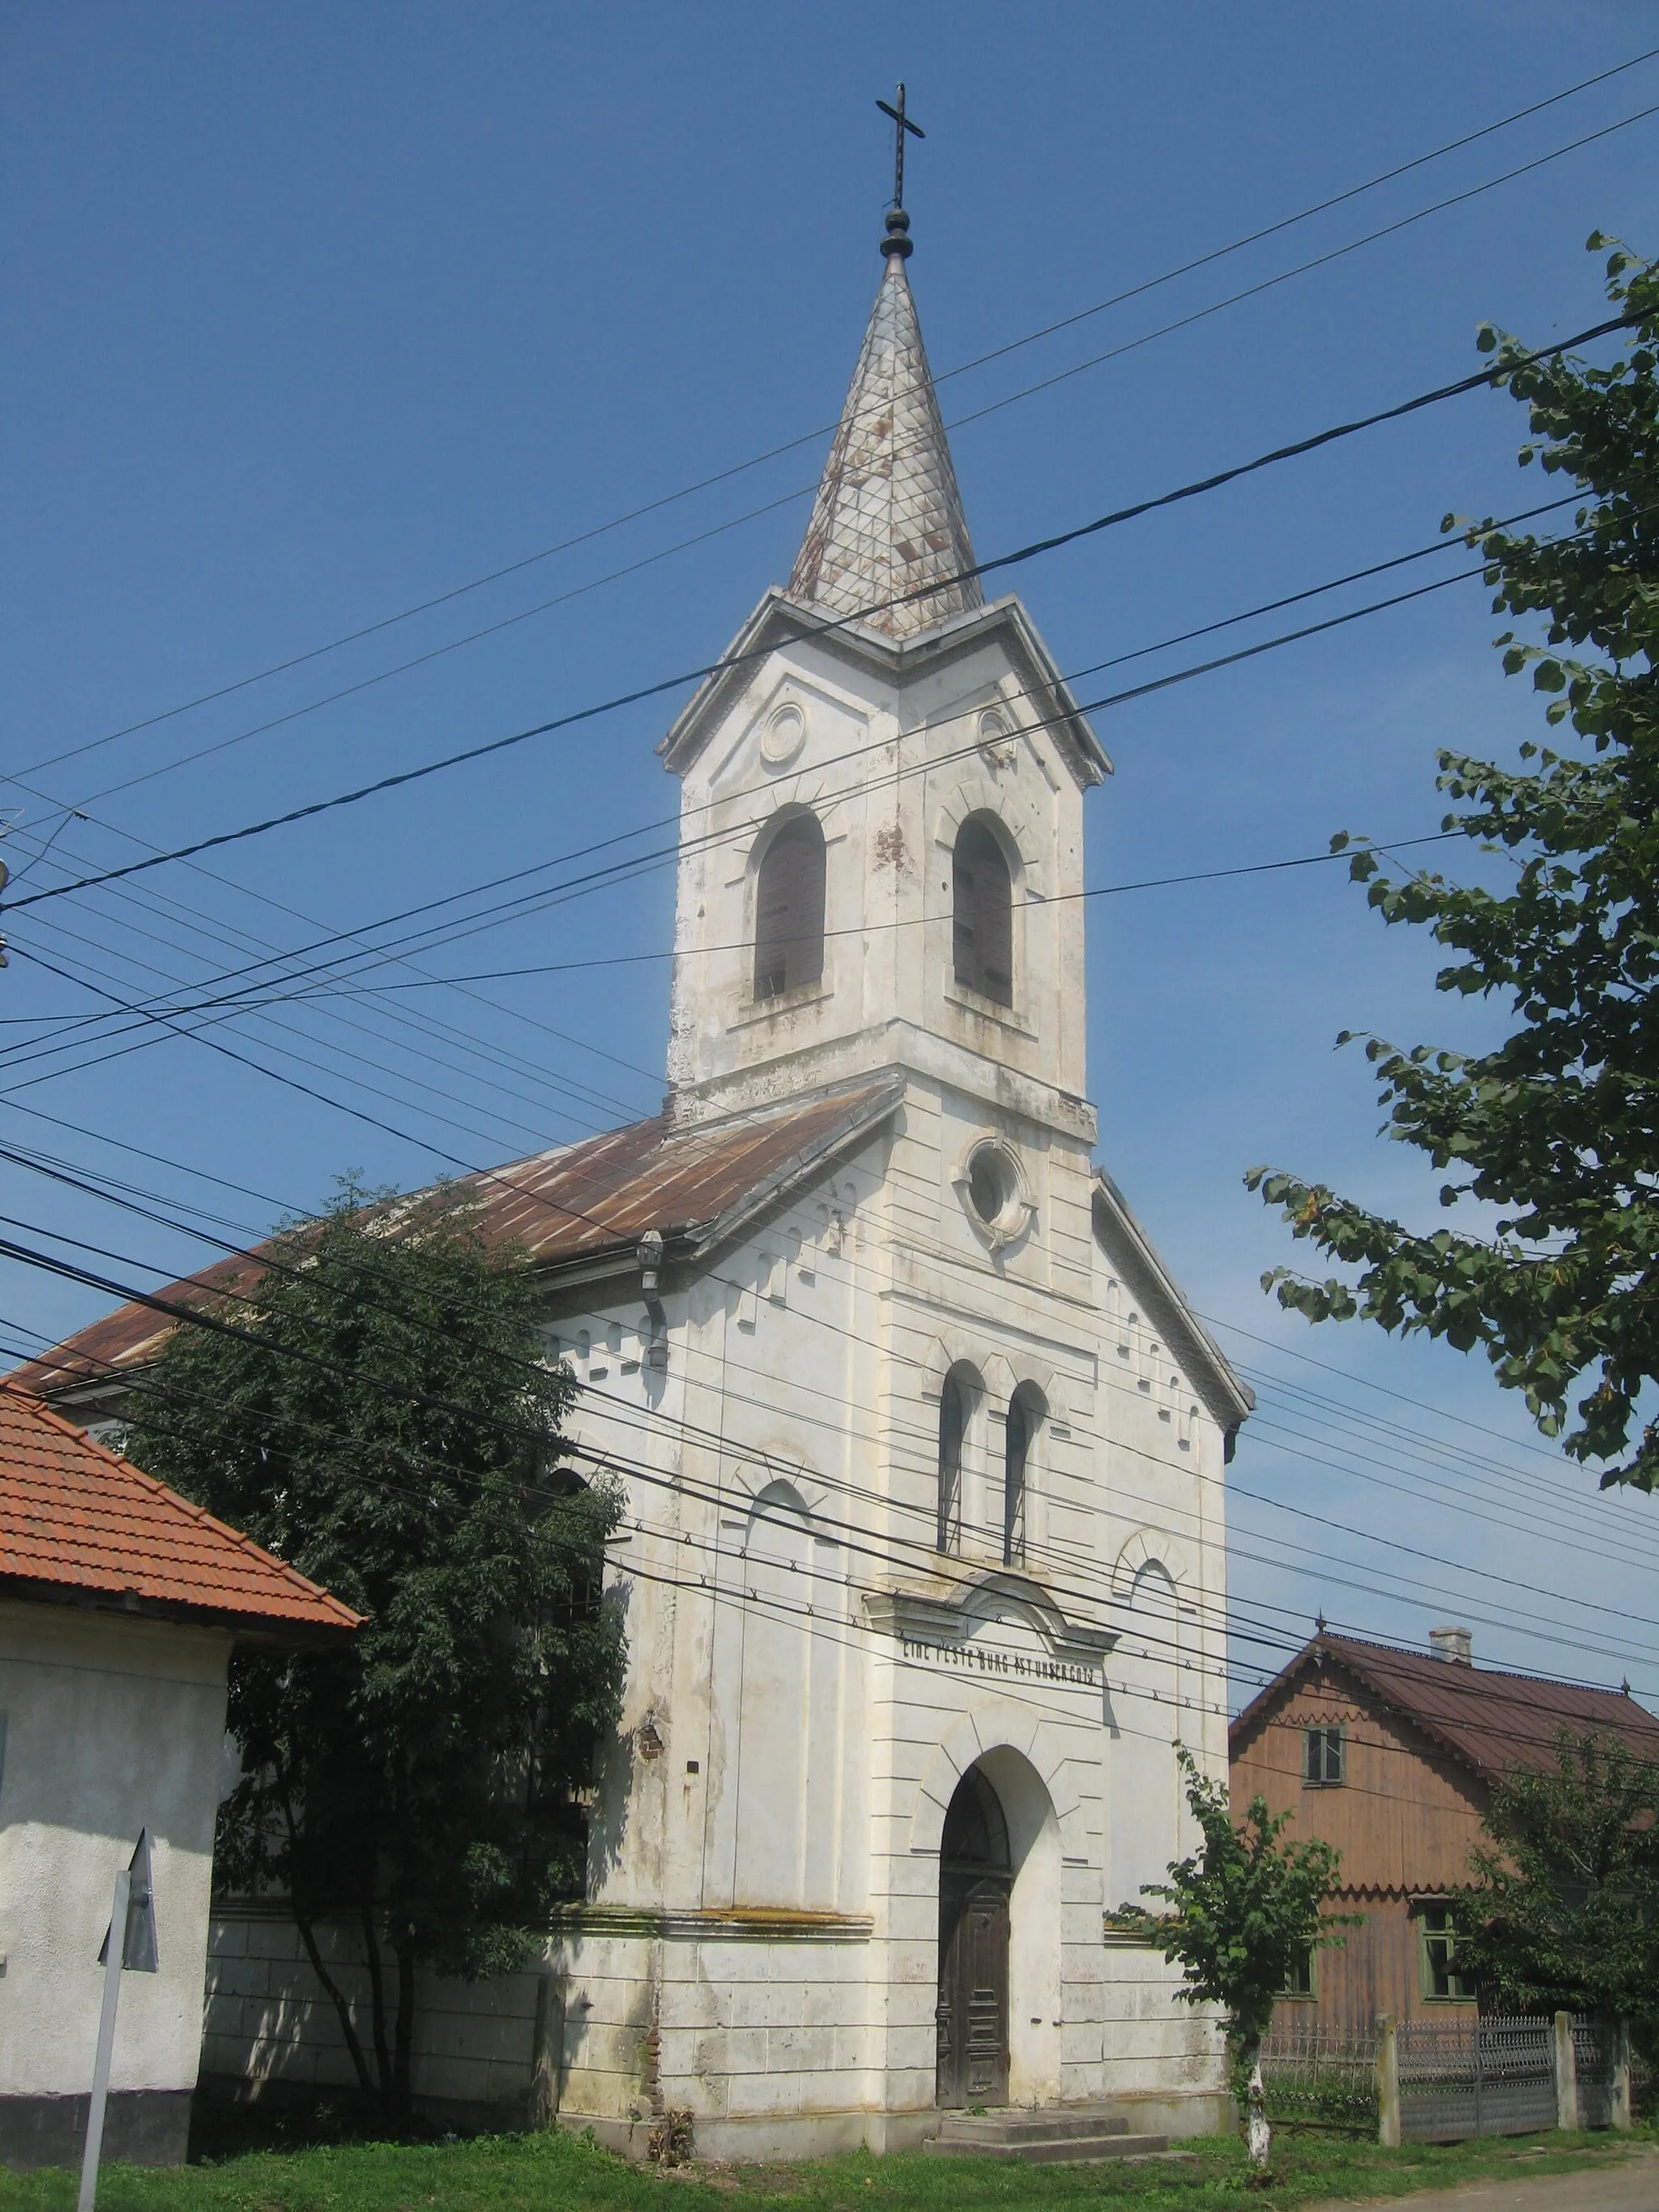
983 913
952 1429
1023 1415
789 910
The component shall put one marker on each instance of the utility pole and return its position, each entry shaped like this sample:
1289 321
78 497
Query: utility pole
129 1944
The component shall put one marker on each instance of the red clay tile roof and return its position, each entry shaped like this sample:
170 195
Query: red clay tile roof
576 1201
74 1518
1490 1720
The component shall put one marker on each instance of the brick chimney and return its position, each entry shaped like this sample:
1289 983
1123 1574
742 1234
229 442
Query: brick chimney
1455 1645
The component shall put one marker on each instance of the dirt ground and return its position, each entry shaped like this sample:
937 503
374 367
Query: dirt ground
1631 2186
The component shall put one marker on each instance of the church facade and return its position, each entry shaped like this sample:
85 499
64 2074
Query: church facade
922 1566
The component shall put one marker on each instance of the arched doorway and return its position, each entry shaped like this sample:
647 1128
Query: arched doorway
975 1876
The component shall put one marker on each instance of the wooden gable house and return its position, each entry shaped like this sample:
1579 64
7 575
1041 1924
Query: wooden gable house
1391 1755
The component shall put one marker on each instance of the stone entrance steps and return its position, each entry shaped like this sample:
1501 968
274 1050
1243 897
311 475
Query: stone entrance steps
1043 2135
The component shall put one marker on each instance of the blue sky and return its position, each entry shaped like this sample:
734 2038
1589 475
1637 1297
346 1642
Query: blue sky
315 313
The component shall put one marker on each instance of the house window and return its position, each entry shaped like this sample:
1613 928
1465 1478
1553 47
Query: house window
1321 1757
789 910
1438 1955
1302 1980
952 1425
982 913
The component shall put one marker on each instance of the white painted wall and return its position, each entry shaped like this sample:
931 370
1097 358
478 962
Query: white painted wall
112 1725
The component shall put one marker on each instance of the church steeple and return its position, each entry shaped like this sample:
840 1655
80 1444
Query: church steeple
883 801
888 518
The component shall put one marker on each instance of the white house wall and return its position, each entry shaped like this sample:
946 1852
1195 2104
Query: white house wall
111 1726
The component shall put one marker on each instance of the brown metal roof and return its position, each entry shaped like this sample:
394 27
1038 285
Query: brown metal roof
77 1521
1490 1720
573 1202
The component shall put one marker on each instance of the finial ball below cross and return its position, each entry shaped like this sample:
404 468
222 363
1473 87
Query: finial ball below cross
898 223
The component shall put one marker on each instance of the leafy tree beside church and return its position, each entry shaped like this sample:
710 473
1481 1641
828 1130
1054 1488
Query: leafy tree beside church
1562 1911
374 1408
1558 1126
1242 1914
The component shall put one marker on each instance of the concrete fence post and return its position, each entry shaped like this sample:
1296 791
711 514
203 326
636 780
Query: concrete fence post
1619 2102
1387 2082
1566 2075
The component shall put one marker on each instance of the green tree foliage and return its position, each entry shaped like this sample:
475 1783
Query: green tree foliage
1562 1913
1556 1126
376 1414
1245 1911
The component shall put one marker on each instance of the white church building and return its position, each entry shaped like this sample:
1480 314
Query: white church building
923 1564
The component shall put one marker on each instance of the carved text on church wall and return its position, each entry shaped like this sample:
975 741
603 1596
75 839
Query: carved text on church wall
975 1658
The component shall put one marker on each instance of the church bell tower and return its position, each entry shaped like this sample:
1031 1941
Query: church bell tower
881 830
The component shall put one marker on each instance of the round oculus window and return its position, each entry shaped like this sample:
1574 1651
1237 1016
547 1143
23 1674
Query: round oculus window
783 735
992 1186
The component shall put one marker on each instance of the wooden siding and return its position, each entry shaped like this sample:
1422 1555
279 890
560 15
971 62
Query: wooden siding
1404 1817
1376 1970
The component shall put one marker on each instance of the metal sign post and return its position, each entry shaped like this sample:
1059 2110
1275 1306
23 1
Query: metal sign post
133 1911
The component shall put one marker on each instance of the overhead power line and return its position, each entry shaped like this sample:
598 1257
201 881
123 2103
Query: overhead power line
434 1024
900 1554
1034 550
1185 1655
359 934
1234 1487
908 1549
242 1000
1187 321
1322 1555
1599 1504
385 952
279 992
962 368
238 1001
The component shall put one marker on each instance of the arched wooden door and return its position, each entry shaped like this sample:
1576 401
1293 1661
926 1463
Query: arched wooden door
974 1879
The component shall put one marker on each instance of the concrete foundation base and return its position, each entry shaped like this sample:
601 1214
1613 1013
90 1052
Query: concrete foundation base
764 2136
785 2136
1178 2113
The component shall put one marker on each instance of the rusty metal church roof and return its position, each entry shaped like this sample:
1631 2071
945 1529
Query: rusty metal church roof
888 519
575 1205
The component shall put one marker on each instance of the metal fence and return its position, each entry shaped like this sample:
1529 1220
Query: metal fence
1320 2076
1493 2076
1438 2080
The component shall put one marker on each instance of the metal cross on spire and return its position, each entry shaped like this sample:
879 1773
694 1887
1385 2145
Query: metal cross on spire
901 122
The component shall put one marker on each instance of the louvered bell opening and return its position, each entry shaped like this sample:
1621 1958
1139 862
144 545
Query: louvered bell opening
789 910
982 913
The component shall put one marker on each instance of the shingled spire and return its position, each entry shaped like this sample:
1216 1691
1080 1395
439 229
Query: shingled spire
888 518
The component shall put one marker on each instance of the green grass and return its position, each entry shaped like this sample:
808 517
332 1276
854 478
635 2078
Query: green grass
503 2173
